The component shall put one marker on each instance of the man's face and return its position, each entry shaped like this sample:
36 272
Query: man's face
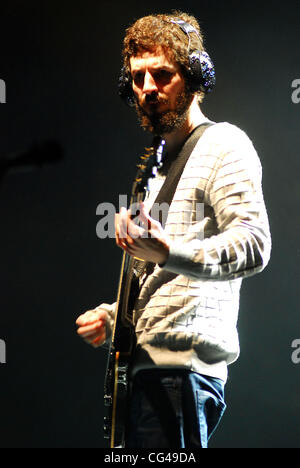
159 88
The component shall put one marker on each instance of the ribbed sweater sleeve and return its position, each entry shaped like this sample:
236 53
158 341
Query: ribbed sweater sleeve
242 244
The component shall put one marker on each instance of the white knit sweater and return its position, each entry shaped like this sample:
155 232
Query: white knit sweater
186 313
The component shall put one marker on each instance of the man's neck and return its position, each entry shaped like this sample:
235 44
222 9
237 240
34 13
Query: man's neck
195 117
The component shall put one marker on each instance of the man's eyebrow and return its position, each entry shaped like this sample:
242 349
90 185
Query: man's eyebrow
164 67
169 68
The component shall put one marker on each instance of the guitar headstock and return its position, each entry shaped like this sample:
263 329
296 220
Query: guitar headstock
148 166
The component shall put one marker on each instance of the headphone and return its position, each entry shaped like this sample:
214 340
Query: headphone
201 74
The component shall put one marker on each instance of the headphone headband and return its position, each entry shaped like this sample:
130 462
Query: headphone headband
187 28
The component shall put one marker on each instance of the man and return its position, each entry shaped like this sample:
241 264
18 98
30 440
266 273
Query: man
186 313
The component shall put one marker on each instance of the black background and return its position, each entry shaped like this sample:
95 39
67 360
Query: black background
60 61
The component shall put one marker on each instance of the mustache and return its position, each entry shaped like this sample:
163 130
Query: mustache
154 98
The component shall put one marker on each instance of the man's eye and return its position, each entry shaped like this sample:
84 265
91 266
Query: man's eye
163 76
138 78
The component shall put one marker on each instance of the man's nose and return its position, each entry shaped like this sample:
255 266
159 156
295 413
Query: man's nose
149 84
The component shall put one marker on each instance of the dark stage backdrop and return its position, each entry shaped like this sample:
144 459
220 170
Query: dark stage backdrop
59 68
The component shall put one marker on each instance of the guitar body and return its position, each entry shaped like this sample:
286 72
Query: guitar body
116 386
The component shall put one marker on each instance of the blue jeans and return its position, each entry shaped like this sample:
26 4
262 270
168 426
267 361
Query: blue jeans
173 409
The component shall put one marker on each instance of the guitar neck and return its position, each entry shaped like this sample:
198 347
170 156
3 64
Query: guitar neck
127 291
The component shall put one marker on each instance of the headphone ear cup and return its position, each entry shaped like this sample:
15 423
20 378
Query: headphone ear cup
202 72
125 88
208 72
195 73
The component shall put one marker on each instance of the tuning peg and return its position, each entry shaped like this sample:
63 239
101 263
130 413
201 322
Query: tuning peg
144 157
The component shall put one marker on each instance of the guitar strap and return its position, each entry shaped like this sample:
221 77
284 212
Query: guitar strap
169 186
177 166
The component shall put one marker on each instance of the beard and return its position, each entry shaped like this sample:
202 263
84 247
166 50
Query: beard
160 123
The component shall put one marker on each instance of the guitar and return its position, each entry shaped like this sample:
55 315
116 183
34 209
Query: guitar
116 387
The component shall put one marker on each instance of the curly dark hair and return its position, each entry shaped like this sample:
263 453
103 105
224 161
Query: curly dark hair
153 31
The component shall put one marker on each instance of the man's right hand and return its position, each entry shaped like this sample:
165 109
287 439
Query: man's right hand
92 325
